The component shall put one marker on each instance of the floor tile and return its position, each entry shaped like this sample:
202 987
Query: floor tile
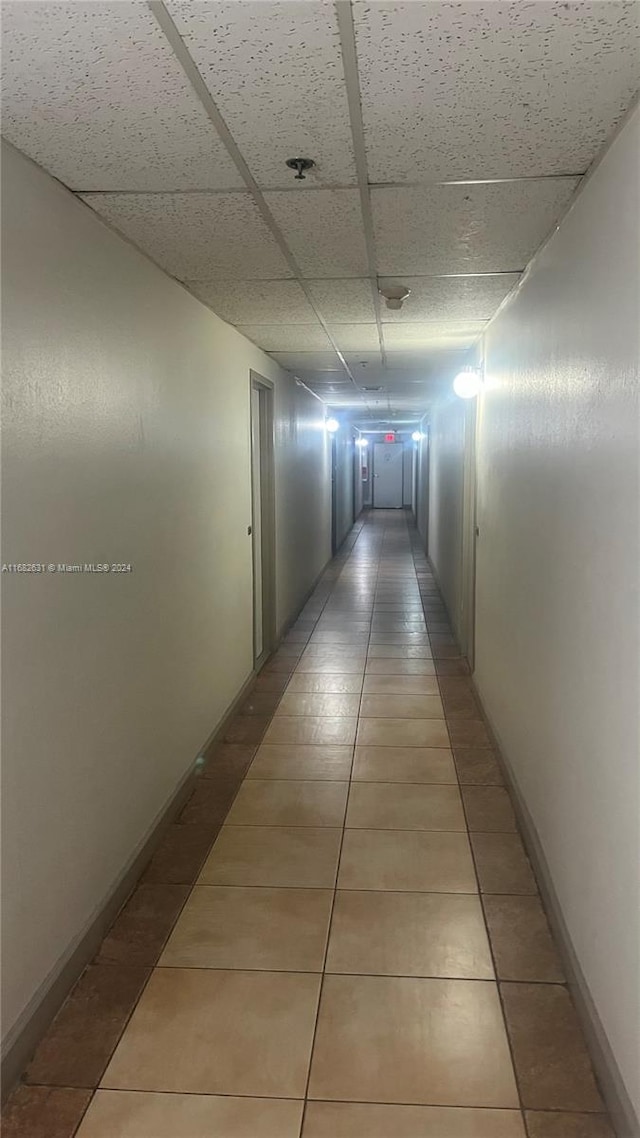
76 1048
415 860
228 759
404 764
541 1124
552 1064
335 636
333 683
312 729
44 1112
142 927
416 934
208 804
452 667
180 855
383 1039
399 638
260 703
402 733
273 802
502 864
522 943
402 706
396 667
404 806
301 761
344 665
380 1120
136 1114
469 733
477 766
400 651
271 681
488 808
209 1031
281 856
239 927
318 703
247 728
400 685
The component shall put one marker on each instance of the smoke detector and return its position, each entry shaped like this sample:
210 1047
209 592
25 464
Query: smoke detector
395 295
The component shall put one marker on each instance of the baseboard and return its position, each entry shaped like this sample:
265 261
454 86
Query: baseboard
618 1103
25 1035
23 1038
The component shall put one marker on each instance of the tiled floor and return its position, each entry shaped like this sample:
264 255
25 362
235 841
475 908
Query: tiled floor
341 936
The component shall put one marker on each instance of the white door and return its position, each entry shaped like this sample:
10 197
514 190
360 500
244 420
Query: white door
387 476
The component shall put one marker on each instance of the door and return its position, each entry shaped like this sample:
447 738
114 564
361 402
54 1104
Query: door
262 518
388 461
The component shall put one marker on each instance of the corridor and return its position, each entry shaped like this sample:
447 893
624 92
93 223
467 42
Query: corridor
315 946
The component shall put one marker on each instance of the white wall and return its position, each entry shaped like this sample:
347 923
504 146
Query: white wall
343 474
126 439
557 645
445 488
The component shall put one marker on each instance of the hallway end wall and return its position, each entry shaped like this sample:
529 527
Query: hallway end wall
126 439
557 574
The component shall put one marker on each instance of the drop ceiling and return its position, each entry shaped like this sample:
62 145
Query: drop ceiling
448 140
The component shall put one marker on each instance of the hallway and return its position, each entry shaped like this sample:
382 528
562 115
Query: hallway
363 847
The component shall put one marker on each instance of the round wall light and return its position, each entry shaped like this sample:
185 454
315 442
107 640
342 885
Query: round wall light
332 425
361 442
417 436
467 383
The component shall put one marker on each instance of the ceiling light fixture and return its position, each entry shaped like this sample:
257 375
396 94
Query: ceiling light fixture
300 164
362 442
417 436
467 383
332 425
395 295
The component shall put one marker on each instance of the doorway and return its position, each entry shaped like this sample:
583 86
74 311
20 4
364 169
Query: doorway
388 465
262 518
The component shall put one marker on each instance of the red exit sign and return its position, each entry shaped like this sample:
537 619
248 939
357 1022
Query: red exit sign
391 438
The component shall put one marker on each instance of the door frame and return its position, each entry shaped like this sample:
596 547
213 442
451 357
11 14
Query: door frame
266 507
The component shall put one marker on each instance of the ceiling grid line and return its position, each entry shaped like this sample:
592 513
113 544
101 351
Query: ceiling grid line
201 90
344 16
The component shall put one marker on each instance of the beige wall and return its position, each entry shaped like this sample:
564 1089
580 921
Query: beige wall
557 622
557 573
126 439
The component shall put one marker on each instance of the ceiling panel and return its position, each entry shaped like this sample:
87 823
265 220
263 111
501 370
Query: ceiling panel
255 302
356 337
94 93
344 301
197 236
275 72
428 363
323 231
490 227
448 298
492 90
287 337
432 334
309 361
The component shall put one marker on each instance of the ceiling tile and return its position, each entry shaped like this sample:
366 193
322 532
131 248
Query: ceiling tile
356 337
493 90
448 298
323 230
429 364
490 227
287 337
308 361
432 334
344 301
275 72
94 93
197 236
255 302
